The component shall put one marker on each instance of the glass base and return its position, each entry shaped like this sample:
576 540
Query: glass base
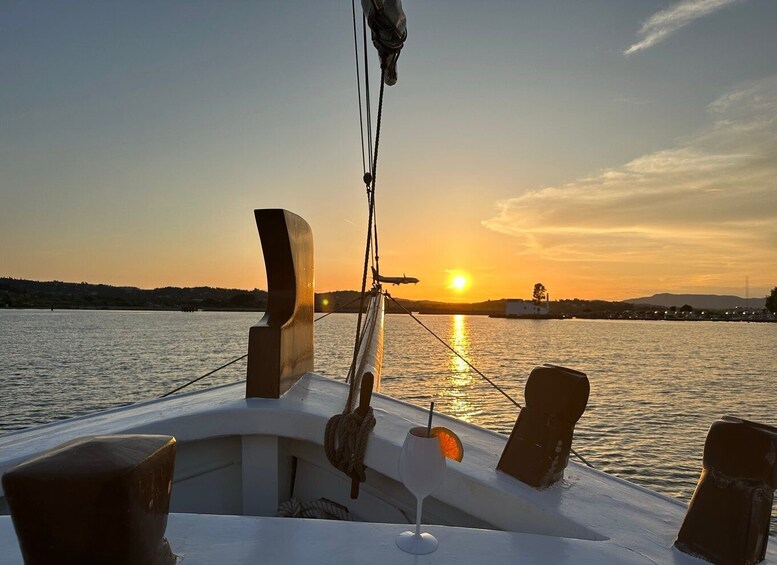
422 544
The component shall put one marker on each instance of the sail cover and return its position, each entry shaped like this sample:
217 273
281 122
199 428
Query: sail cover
370 356
389 32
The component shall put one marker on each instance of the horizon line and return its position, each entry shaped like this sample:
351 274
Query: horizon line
626 300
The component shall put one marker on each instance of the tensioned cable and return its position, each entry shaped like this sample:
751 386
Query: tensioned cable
375 231
203 376
225 365
358 86
377 133
471 366
362 295
346 305
367 90
371 200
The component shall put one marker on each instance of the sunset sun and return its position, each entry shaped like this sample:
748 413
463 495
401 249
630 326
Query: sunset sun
459 283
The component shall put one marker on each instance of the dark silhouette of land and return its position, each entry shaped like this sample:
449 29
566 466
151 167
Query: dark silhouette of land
20 293
701 301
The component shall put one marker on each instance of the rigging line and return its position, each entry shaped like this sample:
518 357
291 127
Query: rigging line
361 307
492 383
338 310
471 366
225 365
374 225
377 134
371 200
372 235
358 85
375 230
583 459
203 376
367 90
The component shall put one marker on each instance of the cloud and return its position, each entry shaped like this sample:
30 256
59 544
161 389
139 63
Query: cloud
709 203
662 24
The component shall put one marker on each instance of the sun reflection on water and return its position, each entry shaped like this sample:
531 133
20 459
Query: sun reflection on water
456 387
460 341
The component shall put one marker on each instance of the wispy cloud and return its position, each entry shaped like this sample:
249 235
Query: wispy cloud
662 24
706 207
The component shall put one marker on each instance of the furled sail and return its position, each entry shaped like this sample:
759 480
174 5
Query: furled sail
346 434
370 356
389 32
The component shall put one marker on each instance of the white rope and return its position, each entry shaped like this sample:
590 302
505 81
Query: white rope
322 509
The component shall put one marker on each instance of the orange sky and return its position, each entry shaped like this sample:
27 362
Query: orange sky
592 150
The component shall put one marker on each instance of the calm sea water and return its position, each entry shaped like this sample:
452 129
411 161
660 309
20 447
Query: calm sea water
655 386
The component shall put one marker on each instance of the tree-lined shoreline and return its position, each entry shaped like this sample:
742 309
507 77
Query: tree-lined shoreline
22 293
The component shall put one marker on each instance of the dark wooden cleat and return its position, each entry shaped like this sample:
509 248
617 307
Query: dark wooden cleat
727 522
537 451
97 499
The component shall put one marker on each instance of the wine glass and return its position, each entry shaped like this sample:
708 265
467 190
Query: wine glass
421 468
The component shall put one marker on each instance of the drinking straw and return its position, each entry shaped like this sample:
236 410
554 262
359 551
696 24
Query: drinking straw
429 425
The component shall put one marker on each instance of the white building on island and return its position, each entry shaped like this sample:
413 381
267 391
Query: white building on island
517 307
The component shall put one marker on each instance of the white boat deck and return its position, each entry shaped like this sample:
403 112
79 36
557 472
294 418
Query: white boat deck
236 540
591 516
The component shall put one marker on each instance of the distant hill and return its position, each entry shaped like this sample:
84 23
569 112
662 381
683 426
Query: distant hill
20 293
702 301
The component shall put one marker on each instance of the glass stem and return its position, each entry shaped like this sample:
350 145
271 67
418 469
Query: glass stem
419 506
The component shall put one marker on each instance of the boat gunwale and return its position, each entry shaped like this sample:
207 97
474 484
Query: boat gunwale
596 502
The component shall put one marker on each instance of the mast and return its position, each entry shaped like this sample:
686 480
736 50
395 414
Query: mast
345 444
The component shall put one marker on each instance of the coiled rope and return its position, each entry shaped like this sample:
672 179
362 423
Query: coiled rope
345 442
322 509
